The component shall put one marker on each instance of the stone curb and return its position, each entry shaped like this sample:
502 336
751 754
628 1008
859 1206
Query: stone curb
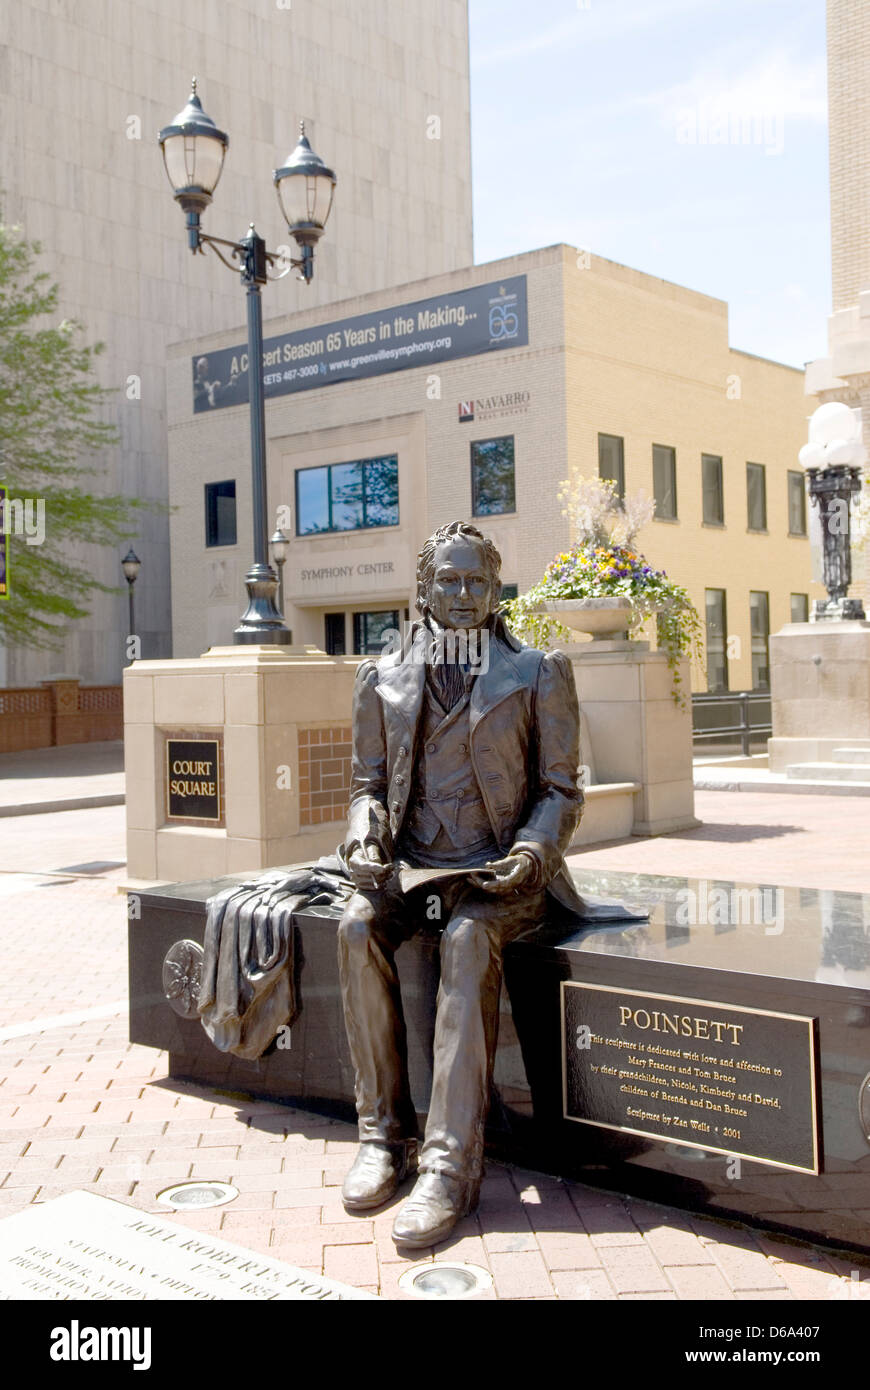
72 803
704 784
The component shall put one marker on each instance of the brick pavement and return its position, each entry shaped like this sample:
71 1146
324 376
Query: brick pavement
80 1107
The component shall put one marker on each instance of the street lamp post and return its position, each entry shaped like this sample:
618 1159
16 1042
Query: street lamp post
131 565
832 458
193 153
279 545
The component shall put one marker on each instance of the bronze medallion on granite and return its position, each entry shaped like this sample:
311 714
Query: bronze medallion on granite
182 975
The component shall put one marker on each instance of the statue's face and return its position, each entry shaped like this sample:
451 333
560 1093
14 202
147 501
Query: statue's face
460 595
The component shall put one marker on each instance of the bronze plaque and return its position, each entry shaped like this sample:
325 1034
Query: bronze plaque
714 1076
193 780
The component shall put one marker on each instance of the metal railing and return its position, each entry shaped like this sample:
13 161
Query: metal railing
710 711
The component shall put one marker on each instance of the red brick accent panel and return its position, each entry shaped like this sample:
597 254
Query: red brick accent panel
324 774
25 719
59 712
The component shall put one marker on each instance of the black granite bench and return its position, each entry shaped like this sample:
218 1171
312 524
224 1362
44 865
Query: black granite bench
816 965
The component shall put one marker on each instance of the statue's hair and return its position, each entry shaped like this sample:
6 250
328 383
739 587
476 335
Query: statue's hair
454 530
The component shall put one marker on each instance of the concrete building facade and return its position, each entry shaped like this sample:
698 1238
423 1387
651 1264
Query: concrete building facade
588 357
844 375
85 87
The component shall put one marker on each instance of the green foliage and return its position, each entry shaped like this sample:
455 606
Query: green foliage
52 444
611 571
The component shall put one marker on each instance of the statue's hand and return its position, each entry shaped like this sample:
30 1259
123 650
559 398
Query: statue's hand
367 868
506 875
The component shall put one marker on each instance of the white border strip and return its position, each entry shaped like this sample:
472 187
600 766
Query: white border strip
42 1025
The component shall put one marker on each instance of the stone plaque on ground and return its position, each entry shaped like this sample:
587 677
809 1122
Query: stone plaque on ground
714 1076
81 1246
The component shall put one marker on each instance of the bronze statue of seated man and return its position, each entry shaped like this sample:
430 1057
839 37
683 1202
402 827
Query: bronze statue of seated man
458 763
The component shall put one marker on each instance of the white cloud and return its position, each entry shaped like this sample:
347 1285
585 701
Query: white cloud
780 85
604 20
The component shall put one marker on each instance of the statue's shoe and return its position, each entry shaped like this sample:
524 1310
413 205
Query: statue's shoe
428 1216
377 1172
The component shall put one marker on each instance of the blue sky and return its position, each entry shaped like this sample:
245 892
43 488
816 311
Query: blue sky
686 138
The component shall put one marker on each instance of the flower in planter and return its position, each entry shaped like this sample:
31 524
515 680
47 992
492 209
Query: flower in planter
603 563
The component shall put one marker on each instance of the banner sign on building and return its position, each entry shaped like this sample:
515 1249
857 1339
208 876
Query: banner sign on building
4 547
483 318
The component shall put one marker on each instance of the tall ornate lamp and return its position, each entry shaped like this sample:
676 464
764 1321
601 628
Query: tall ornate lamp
279 545
832 459
193 153
131 565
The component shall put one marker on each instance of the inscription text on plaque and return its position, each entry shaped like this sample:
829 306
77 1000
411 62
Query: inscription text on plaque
713 1076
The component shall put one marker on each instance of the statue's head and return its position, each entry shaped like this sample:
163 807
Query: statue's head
458 576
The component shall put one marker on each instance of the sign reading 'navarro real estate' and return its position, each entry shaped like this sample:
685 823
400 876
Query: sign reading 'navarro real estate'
482 318
709 1075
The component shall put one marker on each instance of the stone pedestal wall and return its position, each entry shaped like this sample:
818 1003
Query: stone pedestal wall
820 691
278 713
638 733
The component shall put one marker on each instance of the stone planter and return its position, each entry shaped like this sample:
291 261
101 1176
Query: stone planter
606 619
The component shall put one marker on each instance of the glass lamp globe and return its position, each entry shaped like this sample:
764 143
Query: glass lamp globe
279 544
812 455
305 189
131 565
193 153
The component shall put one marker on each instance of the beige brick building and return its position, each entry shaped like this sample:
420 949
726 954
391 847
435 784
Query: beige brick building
604 351
84 89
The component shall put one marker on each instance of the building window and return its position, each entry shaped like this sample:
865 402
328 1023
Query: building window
372 630
759 628
334 634
347 496
716 639
509 591
800 608
492 476
756 497
665 482
611 460
711 487
797 505
220 513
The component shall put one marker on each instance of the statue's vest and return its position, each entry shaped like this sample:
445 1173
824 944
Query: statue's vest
449 818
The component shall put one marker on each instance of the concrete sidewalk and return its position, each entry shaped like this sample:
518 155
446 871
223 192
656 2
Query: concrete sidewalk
81 1108
70 778
796 840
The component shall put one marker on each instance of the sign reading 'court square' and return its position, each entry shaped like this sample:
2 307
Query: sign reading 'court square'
193 784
